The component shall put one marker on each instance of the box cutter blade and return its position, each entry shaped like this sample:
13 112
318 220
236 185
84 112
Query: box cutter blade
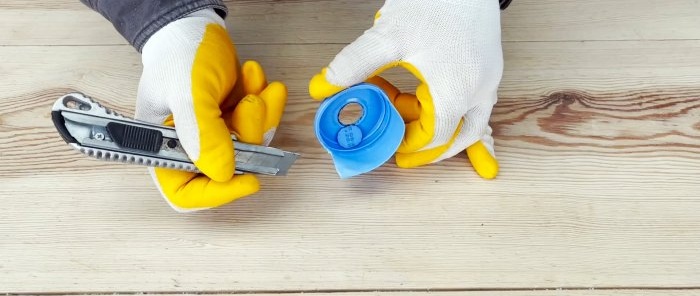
99 132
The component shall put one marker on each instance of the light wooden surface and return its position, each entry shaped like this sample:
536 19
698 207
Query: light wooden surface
554 292
597 130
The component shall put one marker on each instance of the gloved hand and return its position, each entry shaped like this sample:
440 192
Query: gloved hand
454 48
192 79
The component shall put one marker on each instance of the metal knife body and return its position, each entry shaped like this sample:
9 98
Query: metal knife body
101 133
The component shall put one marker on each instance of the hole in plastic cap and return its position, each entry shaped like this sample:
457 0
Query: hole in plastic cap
351 113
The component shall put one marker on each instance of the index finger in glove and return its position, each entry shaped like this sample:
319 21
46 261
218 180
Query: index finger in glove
257 115
251 80
186 191
365 57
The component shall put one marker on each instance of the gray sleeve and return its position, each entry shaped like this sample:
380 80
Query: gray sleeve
138 20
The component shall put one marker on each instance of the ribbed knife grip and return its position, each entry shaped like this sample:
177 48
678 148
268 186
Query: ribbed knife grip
135 137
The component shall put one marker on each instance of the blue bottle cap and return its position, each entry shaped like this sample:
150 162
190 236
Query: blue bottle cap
366 144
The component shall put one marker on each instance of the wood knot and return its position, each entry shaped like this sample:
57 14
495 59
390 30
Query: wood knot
566 97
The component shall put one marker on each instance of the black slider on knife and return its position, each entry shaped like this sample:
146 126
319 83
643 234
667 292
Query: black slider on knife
135 137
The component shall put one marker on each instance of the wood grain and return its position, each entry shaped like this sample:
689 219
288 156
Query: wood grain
595 201
599 143
67 22
532 109
541 292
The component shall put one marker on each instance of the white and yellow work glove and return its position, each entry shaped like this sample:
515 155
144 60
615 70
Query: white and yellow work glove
454 48
192 79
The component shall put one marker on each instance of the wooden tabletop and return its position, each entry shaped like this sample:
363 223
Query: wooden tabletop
597 131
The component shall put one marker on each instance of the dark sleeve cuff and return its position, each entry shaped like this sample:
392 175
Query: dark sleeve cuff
504 3
138 20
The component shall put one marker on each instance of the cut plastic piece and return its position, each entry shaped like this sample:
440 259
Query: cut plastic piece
368 143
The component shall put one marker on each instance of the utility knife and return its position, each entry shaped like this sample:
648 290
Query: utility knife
101 133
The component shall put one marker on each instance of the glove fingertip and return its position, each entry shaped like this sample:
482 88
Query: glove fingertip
483 162
216 159
275 91
254 80
189 192
252 66
245 185
320 88
219 170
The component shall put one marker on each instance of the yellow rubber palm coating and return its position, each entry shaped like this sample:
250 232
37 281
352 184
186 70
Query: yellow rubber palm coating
190 191
213 77
483 162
